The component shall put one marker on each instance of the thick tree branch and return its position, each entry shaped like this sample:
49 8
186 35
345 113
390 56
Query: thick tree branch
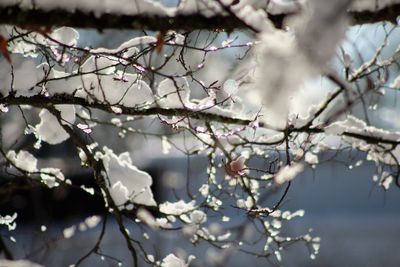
43 102
389 13
35 18
46 102
40 18
98 169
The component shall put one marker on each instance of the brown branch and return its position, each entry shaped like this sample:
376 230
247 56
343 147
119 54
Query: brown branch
40 18
36 18
370 139
98 169
40 101
389 13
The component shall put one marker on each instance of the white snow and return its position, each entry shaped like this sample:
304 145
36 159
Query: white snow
146 217
65 35
18 263
127 46
204 190
280 71
319 30
128 183
62 83
173 261
98 64
208 8
119 193
9 221
396 83
49 128
288 173
354 125
179 39
230 86
285 60
177 208
114 88
23 160
276 7
255 18
311 158
166 145
385 183
25 76
198 217
173 93
51 176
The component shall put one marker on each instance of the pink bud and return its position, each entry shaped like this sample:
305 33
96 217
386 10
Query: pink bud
236 167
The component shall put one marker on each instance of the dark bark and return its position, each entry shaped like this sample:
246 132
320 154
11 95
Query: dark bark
46 102
390 14
39 18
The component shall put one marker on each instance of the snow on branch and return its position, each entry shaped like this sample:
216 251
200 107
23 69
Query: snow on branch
374 136
189 15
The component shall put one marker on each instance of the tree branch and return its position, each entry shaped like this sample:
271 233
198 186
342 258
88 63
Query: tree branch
35 18
98 169
389 13
40 101
43 102
40 18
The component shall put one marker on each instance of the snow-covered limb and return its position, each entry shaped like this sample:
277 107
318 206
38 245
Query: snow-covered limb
154 16
43 102
102 180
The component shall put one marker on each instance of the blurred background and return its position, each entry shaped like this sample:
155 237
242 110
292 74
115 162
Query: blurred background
358 222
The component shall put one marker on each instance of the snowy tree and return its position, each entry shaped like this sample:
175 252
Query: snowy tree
295 87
